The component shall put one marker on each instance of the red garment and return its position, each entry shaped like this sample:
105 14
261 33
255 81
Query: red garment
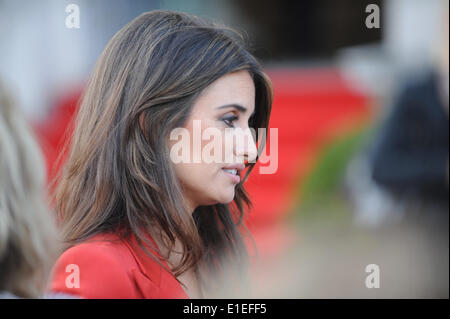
111 268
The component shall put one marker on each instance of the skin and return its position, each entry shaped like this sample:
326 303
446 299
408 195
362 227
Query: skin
206 183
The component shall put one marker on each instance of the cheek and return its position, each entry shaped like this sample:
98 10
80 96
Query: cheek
197 177
228 148
205 182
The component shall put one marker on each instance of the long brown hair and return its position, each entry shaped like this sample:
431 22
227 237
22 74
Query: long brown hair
118 172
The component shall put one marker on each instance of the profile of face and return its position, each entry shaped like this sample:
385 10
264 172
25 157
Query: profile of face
225 106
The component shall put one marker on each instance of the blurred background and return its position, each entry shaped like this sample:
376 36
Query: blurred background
361 108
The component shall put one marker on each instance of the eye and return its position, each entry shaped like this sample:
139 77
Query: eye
228 120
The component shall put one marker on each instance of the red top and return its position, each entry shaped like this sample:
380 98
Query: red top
106 267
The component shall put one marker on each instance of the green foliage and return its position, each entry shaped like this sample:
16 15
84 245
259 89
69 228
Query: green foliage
319 194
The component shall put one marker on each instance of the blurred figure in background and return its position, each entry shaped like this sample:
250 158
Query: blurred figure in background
28 235
411 155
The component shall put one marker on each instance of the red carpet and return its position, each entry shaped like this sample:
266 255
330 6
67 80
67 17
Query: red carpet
310 106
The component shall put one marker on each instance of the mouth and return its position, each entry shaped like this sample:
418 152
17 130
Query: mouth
234 172
231 171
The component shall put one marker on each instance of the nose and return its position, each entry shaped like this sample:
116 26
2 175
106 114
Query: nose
245 147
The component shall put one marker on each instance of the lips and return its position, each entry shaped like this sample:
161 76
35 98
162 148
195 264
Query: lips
234 168
231 171
234 171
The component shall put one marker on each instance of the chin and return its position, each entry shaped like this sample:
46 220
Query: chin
227 198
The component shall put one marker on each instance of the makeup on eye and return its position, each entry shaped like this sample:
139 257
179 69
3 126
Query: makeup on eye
229 120
238 107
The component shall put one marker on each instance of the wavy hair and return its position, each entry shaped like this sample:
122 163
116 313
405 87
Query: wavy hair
118 174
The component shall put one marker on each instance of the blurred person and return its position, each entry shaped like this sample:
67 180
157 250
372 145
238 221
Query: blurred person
136 224
411 156
406 165
28 237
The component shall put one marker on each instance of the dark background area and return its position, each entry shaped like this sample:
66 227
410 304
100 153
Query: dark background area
307 29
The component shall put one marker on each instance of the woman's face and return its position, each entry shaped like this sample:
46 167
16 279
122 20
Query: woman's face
219 139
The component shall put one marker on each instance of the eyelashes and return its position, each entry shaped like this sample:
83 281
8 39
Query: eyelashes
229 120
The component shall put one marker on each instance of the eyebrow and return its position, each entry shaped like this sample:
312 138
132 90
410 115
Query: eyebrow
236 106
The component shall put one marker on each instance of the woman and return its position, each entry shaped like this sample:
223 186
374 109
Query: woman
28 238
137 222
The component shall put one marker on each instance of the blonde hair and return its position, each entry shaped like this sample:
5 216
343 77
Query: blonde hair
27 231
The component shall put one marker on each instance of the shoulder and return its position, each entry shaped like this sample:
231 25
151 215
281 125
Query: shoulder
96 269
